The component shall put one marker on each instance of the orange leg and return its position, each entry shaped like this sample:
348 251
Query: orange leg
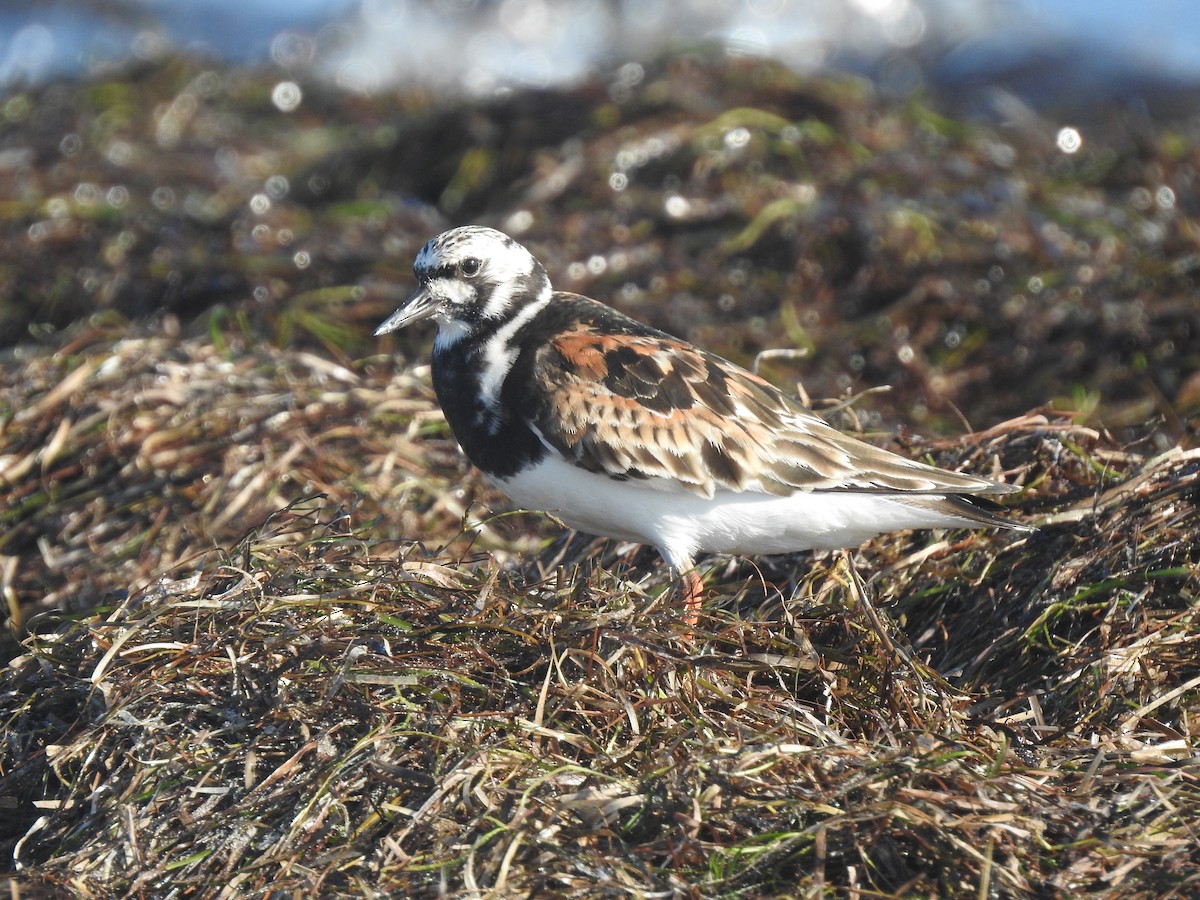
693 594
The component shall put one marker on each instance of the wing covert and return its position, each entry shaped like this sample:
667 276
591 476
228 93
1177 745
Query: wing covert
649 406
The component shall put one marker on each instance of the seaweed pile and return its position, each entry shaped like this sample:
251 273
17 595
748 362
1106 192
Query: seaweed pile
269 634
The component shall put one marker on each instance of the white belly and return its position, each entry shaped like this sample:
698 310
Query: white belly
681 524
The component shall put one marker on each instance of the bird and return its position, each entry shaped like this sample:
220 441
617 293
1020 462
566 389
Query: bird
620 430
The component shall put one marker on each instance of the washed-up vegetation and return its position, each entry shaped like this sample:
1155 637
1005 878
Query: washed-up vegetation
269 634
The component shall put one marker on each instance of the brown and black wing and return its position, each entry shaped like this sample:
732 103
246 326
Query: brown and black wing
649 406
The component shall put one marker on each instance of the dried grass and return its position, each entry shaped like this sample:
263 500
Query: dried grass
352 700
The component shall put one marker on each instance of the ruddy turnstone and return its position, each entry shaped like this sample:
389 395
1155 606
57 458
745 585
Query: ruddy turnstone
621 430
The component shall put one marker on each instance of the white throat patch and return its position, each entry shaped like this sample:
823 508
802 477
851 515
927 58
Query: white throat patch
499 356
450 332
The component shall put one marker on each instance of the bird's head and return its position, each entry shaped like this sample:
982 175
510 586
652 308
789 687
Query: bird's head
470 279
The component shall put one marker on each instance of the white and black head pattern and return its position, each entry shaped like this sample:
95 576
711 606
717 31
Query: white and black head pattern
484 291
471 280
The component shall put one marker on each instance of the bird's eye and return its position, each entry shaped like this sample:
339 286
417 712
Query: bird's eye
470 266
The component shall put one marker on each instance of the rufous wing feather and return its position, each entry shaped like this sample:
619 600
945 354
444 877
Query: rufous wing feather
648 406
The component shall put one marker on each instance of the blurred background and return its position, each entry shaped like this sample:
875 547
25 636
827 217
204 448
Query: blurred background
1069 54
